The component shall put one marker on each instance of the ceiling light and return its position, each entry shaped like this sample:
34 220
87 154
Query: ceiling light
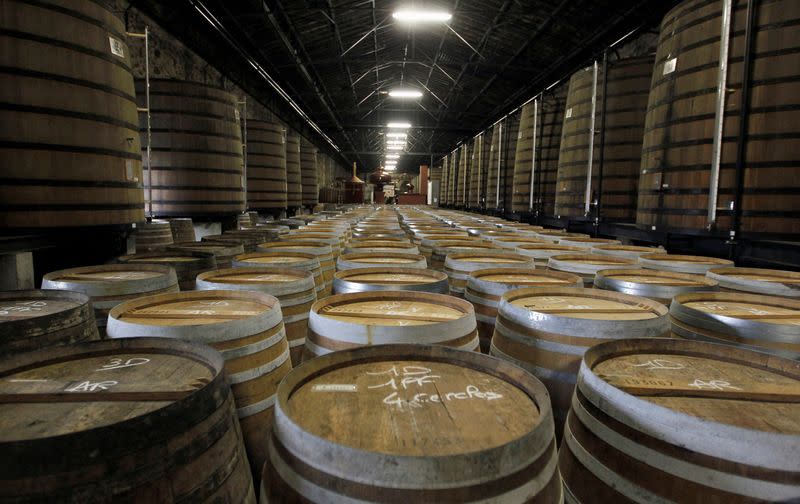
418 16
389 168
394 147
396 135
405 93
392 156
398 125
396 142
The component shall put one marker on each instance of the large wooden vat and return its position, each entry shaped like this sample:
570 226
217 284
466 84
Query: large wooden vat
464 169
266 165
477 176
69 148
663 420
141 420
245 327
294 184
615 148
196 150
679 130
308 172
461 427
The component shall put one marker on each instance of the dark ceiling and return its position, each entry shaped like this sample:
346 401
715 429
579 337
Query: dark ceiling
335 57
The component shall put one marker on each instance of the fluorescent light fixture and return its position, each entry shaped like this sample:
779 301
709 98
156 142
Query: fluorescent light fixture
396 135
389 168
399 125
394 147
419 16
392 156
401 142
405 93
390 162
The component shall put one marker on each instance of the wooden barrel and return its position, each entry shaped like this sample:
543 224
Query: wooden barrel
757 281
308 172
380 246
442 249
245 327
556 235
763 323
68 146
677 149
140 420
587 243
418 237
40 319
465 428
154 235
627 251
394 239
294 191
517 240
616 141
587 265
427 243
547 330
244 221
395 279
485 287
659 286
111 284
249 243
266 165
224 252
182 229
662 420
377 234
458 266
299 236
697 265
346 321
294 288
464 167
187 265
196 150
380 260
284 259
322 251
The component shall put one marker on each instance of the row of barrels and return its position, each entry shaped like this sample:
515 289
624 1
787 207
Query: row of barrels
633 139
73 147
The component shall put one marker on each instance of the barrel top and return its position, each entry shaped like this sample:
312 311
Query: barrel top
108 273
585 304
525 277
790 278
549 246
412 407
593 259
588 239
750 307
381 244
381 257
706 381
72 389
391 276
489 257
283 257
222 246
28 304
655 277
629 248
685 259
393 308
255 276
316 247
194 308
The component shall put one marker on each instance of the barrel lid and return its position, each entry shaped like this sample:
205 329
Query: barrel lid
391 276
654 277
255 276
702 388
108 278
524 277
735 309
30 304
589 240
393 308
315 247
682 263
757 280
216 247
437 401
489 257
379 244
280 258
629 248
166 257
193 308
576 303
77 388
548 247
521 239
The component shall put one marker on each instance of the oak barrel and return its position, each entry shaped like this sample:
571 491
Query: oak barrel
464 428
679 129
587 265
659 286
266 165
347 321
153 235
380 260
405 279
380 246
111 284
294 288
321 250
224 252
547 330
762 323
294 187
182 229
249 243
441 249
140 420
697 265
587 243
196 150
459 265
40 319
628 251
542 252
664 420
245 327
68 129
485 287
757 281
284 259
187 265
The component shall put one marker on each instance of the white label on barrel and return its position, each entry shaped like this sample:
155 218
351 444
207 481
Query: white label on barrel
23 307
569 113
335 387
712 385
117 48
88 386
670 65
116 363
129 171
659 364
